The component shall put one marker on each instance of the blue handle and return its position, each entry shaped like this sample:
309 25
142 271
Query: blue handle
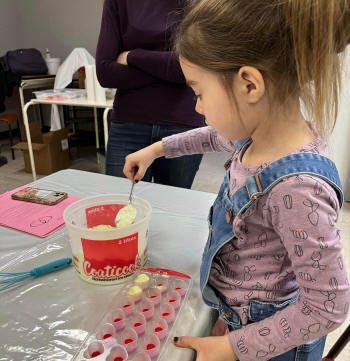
51 267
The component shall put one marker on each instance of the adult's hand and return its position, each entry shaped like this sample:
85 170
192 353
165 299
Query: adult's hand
123 58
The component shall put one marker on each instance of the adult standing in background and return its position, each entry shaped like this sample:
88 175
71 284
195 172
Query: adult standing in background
134 54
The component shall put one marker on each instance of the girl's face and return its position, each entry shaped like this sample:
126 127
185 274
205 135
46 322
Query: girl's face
213 101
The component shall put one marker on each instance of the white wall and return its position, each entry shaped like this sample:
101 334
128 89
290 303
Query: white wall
60 26
339 142
9 39
8 26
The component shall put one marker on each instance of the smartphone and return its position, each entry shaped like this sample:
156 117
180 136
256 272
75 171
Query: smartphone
38 195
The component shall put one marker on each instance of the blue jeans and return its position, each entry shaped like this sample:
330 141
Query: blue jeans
126 138
310 351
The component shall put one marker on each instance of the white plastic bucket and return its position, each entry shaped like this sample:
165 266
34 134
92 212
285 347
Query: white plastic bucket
52 65
108 256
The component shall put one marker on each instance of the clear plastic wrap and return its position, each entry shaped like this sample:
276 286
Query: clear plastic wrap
60 94
49 318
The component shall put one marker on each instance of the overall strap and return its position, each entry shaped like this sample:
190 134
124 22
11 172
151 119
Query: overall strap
238 145
290 165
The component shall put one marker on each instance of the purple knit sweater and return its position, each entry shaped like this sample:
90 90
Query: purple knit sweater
152 88
287 241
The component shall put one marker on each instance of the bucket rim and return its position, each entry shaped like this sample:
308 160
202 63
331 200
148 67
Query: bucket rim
68 208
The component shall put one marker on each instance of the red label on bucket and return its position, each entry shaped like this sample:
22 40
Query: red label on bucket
103 214
111 259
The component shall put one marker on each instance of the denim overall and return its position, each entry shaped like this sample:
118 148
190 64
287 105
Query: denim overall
221 232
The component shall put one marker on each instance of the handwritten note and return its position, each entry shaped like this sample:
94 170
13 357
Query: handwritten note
37 219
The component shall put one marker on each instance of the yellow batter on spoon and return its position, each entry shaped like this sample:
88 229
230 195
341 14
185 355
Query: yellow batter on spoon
125 216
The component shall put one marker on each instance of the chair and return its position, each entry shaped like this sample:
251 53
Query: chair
10 119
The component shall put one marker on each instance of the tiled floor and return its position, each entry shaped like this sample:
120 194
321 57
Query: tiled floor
208 179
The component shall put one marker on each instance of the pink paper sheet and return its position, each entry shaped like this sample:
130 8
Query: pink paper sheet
37 219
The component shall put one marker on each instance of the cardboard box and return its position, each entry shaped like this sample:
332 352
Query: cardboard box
50 150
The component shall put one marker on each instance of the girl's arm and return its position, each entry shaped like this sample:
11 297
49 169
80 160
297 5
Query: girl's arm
111 74
141 160
195 141
199 140
303 211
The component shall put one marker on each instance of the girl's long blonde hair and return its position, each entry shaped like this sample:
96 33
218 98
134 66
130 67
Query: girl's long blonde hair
294 43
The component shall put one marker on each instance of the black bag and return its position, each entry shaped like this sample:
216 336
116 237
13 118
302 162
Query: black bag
24 62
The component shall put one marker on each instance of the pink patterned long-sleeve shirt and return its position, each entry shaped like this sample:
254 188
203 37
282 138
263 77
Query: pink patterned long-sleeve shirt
287 242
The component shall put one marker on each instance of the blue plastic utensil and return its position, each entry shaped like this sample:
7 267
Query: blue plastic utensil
8 279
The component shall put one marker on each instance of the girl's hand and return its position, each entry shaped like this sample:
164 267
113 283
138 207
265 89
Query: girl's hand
215 348
141 160
123 58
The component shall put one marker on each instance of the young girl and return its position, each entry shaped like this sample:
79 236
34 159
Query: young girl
272 266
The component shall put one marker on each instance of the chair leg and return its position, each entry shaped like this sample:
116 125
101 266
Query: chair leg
339 345
11 141
19 130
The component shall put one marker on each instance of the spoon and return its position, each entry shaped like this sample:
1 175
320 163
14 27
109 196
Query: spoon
127 214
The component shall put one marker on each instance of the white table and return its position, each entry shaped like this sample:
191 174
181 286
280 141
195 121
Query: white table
34 82
48 318
80 102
